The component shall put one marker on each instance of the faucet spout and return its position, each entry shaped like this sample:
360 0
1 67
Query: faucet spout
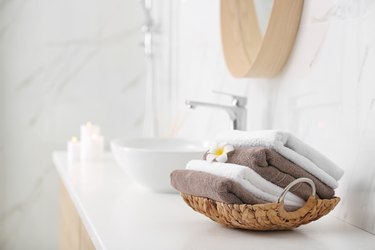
228 109
237 111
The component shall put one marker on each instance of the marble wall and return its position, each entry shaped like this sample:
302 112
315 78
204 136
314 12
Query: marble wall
325 94
62 63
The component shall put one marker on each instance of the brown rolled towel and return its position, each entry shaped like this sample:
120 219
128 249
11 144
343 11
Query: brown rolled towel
278 170
215 187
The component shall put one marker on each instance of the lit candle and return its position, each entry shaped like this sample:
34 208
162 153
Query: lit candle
73 151
88 130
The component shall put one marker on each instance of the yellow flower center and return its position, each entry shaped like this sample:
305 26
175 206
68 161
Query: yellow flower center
219 151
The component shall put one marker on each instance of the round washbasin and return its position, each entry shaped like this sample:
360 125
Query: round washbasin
151 160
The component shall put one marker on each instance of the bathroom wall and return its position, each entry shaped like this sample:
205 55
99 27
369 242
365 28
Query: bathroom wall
325 94
62 63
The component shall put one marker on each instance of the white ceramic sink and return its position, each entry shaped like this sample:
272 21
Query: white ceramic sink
151 160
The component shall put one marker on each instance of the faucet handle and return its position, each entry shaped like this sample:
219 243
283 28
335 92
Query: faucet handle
239 100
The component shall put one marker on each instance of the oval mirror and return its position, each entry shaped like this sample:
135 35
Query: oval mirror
258 35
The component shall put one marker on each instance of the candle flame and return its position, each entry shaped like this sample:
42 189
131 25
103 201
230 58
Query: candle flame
74 139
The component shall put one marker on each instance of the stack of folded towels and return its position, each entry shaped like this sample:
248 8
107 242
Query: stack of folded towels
254 168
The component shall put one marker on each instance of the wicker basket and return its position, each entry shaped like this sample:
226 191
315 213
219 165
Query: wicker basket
270 216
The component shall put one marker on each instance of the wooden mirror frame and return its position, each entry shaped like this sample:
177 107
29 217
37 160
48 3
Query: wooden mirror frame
248 52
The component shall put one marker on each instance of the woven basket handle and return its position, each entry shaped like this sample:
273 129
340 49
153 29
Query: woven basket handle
310 203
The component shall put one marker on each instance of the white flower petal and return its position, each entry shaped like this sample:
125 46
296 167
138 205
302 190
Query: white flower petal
210 157
213 148
222 158
228 148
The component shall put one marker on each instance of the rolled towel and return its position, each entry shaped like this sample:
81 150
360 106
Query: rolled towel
248 178
275 168
211 186
291 148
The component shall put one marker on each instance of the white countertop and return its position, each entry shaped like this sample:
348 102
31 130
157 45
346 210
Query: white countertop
119 215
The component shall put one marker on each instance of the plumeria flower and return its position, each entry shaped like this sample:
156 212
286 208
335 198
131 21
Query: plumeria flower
219 152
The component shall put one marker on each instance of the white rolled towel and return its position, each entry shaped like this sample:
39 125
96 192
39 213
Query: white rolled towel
248 178
291 148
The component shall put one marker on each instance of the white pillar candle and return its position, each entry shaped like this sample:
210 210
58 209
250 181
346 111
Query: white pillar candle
92 148
73 150
88 130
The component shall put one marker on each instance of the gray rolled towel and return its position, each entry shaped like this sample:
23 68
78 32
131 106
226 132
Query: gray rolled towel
211 186
275 168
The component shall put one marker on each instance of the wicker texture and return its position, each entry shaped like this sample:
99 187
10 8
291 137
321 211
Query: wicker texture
270 216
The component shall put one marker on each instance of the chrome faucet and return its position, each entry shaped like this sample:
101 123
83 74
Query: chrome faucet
237 111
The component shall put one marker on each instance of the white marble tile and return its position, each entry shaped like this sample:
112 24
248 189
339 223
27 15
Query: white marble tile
332 104
61 63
